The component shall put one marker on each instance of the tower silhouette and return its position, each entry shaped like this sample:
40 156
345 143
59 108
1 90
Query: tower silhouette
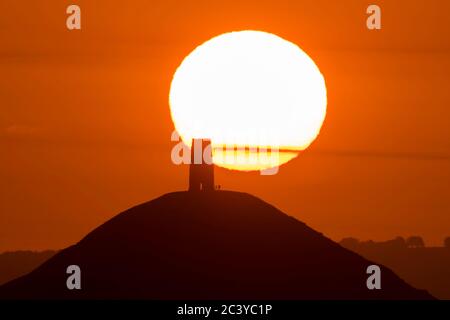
201 169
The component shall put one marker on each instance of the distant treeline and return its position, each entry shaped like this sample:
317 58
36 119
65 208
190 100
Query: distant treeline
397 243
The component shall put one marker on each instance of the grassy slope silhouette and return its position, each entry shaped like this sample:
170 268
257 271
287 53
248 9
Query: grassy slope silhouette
207 245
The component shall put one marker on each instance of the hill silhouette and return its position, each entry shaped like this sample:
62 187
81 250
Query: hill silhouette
18 263
207 245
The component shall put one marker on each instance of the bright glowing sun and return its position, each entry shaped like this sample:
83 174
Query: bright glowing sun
250 89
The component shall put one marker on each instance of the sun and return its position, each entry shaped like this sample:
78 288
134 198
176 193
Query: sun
258 97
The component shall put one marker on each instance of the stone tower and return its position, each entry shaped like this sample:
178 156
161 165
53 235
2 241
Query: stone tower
201 169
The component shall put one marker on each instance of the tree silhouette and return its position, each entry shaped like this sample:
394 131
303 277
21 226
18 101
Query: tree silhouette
447 242
400 240
415 242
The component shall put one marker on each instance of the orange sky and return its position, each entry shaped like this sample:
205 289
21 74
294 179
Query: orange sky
85 123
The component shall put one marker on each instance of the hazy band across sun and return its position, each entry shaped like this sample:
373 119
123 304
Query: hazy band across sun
253 90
